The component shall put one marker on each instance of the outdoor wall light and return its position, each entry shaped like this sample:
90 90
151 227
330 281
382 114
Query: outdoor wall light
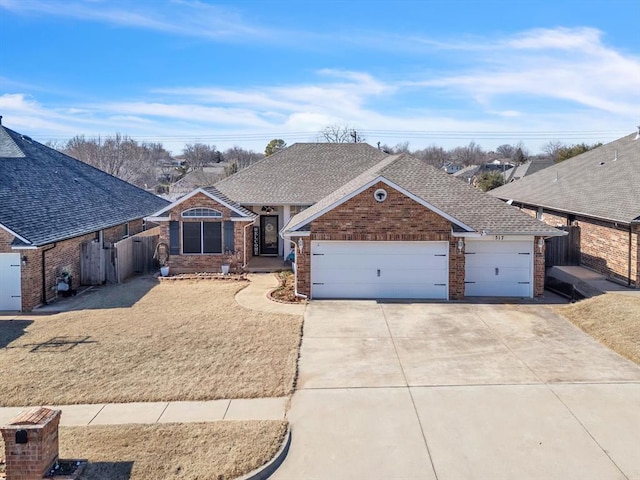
24 260
300 244
540 244
460 245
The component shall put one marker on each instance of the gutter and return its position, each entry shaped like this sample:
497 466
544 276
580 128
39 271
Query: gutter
630 252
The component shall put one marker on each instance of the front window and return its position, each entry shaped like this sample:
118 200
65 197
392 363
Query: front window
202 237
202 213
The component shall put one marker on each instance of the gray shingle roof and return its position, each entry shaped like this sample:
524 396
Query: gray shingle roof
467 205
46 196
301 174
591 184
241 211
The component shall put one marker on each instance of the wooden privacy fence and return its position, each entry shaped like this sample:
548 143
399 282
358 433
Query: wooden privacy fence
114 263
563 250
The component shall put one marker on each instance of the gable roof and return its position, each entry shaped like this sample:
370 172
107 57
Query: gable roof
237 210
601 183
300 174
466 207
47 196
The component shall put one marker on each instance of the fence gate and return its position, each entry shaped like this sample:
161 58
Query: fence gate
565 250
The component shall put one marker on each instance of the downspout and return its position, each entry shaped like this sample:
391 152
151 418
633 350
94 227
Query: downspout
244 243
630 252
44 274
295 277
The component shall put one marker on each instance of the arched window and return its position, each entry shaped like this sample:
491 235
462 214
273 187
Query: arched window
202 213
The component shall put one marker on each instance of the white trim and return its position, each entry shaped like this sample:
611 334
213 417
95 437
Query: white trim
369 184
25 247
520 234
295 234
193 193
157 219
11 232
217 215
242 219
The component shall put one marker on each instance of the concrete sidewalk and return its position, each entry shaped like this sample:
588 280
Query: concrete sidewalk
163 412
589 282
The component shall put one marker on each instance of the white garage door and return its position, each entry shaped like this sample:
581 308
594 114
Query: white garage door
10 295
499 268
379 269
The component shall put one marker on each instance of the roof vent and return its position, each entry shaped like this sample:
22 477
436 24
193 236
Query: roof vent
26 138
637 134
601 164
615 155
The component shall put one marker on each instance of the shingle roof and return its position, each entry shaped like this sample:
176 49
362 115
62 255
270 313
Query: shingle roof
46 196
240 211
471 208
594 184
300 174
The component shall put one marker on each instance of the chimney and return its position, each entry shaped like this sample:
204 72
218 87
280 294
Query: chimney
1 121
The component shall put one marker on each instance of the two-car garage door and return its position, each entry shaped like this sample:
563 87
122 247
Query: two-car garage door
379 269
10 295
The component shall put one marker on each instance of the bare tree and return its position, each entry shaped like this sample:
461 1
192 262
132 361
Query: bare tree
341 134
199 155
433 155
472 154
553 148
506 150
243 158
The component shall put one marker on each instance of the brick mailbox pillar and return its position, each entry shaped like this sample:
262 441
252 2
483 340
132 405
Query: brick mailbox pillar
31 443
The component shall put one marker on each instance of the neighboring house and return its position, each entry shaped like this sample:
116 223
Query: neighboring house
471 173
599 191
50 204
451 167
528 168
364 224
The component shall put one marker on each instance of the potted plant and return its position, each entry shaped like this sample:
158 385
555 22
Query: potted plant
228 259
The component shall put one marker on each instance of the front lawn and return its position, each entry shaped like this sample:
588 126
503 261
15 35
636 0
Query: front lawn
217 450
184 340
613 319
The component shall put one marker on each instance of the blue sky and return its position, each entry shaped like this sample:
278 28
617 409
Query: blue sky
441 72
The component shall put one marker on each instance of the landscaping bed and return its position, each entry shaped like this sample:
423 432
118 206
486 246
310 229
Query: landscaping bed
186 340
285 293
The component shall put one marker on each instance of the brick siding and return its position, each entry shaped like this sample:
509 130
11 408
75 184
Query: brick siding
604 247
196 263
398 218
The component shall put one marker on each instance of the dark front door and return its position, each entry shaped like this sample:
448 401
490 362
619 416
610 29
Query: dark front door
269 235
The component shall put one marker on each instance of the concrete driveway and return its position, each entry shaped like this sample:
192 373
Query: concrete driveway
459 391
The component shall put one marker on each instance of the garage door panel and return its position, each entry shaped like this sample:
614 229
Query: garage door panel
500 260
505 274
377 290
497 247
497 289
379 269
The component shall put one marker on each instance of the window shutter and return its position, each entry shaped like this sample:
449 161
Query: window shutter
174 238
228 236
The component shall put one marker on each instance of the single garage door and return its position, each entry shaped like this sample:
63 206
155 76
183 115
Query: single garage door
499 268
379 269
10 295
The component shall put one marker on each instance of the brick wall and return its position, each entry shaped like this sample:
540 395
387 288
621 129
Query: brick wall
538 269
398 218
30 461
603 246
195 263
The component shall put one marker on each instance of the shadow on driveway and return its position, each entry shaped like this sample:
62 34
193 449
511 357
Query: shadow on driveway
11 330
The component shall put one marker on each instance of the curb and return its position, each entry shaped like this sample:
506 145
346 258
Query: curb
266 470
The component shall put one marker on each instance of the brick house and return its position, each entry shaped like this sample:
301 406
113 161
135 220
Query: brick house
599 191
362 224
50 204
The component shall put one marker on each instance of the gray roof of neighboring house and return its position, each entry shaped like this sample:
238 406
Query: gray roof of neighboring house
47 196
595 183
464 203
191 181
528 168
300 174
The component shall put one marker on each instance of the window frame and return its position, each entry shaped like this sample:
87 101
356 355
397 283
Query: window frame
202 242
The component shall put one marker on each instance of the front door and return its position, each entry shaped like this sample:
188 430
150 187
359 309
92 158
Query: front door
269 235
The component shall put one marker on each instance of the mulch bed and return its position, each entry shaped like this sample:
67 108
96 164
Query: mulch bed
240 277
285 293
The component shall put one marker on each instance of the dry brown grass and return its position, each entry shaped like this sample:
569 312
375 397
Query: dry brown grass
185 340
613 319
217 450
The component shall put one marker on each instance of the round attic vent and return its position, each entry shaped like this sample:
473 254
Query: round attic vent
380 195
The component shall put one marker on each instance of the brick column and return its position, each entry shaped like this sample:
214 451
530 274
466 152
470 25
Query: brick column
31 443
